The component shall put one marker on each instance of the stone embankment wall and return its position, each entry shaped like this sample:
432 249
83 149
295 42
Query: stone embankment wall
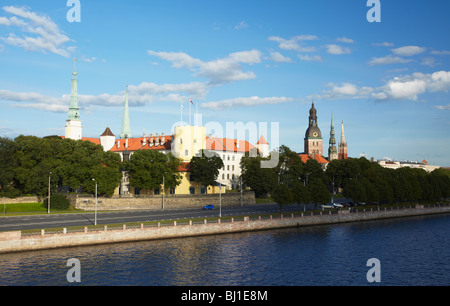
20 200
15 242
156 202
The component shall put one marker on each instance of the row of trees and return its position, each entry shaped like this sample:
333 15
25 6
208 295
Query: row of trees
293 181
27 163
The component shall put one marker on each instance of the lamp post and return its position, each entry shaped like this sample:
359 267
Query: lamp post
163 191
220 200
48 206
96 201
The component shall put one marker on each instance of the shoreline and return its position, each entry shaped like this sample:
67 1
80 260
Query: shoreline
14 242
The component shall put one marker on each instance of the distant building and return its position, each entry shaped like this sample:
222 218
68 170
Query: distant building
332 150
400 164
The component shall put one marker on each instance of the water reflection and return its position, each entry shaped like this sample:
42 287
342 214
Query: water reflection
412 251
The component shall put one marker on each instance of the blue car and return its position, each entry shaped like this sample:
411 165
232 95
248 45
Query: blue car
208 207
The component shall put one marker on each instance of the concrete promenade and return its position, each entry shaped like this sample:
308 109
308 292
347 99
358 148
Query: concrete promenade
15 242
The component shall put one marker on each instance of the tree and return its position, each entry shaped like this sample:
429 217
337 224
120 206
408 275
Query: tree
282 195
260 180
148 167
319 192
204 170
7 166
301 194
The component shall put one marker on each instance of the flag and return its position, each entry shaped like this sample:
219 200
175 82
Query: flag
192 102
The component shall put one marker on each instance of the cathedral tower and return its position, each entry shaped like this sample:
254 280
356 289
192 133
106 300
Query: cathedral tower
343 145
73 125
332 150
313 136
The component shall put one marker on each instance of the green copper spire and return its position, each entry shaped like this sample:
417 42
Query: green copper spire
332 150
74 110
126 131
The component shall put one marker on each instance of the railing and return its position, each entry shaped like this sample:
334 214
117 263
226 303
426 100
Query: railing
155 224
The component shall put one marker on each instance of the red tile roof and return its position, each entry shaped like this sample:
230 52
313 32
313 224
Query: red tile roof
135 144
226 144
319 158
262 140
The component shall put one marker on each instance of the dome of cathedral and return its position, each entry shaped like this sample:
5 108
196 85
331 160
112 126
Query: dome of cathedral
313 132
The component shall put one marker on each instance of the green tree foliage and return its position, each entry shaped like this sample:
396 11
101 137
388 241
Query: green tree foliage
7 166
282 195
204 169
67 162
147 168
260 180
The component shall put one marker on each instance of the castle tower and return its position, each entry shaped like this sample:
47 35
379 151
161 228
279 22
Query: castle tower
343 145
73 125
263 146
313 136
126 131
332 150
188 141
107 140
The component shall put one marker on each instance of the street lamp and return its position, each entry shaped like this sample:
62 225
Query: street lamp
48 206
220 200
163 190
96 201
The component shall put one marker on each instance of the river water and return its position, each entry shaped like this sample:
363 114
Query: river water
411 251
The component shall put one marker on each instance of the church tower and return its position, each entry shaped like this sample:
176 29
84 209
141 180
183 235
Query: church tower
126 131
313 136
343 145
73 125
332 150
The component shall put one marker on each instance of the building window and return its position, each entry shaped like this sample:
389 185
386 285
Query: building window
137 191
232 158
228 167
228 157
186 153
232 168
191 178
203 190
191 190
172 190
228 176
157 191
223 176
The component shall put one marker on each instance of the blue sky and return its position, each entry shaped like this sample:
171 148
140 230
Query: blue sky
239 61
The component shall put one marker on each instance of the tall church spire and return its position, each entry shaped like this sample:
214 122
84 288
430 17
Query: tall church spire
74 110
126 131
73 126
343 145
332 151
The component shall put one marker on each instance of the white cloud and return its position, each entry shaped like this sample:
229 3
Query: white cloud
294 43
244 102
443 107
48 37
410 87
387 60
383 44
443 52
220 71
345 40
337 50
310 58
345 91
408 50
279 58
241 25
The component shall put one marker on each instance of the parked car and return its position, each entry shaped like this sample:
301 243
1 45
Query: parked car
327 206
208 207
336 205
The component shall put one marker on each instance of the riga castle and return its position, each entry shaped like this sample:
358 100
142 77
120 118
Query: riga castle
185 142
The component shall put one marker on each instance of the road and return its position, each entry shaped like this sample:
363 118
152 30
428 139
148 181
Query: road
17 223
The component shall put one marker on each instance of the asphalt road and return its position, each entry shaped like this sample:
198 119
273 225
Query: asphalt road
17 223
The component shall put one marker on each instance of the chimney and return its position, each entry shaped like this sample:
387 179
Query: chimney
118 144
